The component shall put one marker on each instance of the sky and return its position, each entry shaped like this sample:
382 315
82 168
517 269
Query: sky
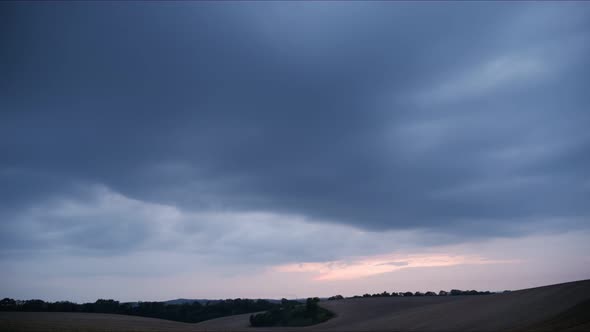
151 151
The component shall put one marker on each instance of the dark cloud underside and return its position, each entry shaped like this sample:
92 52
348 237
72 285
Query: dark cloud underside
453 117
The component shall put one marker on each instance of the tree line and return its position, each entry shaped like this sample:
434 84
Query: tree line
188 312
454 292
286 313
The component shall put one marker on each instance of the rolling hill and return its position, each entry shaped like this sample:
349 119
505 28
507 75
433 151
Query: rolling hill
561 307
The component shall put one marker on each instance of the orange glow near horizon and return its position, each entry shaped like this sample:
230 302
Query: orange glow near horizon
372 265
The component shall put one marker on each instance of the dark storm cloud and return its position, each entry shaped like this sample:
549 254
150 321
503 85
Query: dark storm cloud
468 118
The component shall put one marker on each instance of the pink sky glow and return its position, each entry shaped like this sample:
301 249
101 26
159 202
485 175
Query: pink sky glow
372 265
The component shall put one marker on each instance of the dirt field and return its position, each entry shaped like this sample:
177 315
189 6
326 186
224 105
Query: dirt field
563 307
511 311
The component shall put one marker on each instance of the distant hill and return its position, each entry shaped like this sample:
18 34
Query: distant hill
204 301
189 301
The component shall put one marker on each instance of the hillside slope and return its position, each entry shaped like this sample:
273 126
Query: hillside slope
536 309
562 307
517 310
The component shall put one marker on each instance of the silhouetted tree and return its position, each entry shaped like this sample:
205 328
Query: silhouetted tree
292 313
7 304
311 305
106 306
455 292
35 305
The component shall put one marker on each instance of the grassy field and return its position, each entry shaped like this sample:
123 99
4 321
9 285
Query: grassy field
563 307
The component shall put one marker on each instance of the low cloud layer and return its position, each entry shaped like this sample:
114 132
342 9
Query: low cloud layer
368 266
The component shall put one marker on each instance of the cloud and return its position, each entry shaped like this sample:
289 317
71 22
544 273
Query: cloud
499 72
396 263
110 224
369 266
233 124
161 274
